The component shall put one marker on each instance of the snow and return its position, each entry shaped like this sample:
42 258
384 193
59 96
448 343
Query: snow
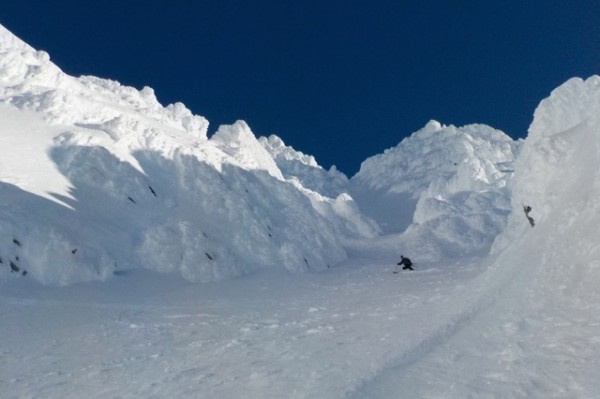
444 189
143 185
25 161
296 165
327 190
239 142
161 263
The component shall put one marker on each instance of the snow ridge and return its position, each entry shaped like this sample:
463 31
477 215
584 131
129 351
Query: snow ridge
138 185
326 189
445 188
304 168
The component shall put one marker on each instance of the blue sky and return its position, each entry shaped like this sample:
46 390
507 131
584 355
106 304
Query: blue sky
340 80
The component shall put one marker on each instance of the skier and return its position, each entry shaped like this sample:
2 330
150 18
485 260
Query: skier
406 263
527 209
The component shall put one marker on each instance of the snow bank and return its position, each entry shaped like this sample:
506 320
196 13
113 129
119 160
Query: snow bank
445 188
133 184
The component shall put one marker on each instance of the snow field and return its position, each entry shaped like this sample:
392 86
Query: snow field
265 335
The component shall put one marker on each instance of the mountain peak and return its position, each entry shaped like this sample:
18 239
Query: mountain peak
239 142
441 182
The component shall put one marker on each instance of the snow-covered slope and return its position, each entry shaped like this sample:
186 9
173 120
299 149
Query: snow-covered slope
557 175
327 189
304 168
98 177
531 329
445 187
557 164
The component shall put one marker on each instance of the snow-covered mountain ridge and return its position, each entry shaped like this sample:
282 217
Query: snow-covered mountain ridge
175 200
128 183
104 140
98 179
445 188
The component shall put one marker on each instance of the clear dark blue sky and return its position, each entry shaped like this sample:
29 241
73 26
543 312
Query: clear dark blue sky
341 80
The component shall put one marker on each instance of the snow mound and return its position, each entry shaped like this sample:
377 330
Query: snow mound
118 181
445 188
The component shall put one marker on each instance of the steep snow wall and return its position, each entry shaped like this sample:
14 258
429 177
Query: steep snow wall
557 175
445 188
557 262
557 161
118 181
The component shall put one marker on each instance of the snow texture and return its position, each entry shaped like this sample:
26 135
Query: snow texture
100 177
445 188
101 184
294 164
327 190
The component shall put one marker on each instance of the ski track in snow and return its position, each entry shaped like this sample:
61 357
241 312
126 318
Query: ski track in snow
510 340
153 336
355 331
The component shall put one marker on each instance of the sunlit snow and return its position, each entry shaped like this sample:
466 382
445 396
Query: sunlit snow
141 259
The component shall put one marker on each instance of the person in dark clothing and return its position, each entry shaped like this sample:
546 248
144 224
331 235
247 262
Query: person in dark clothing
527 209
405 263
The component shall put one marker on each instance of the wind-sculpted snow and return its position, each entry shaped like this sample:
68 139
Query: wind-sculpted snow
556 170
557 175
539 336
304 168
31 82
326 189
445 187
529 325
101 178
239 142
